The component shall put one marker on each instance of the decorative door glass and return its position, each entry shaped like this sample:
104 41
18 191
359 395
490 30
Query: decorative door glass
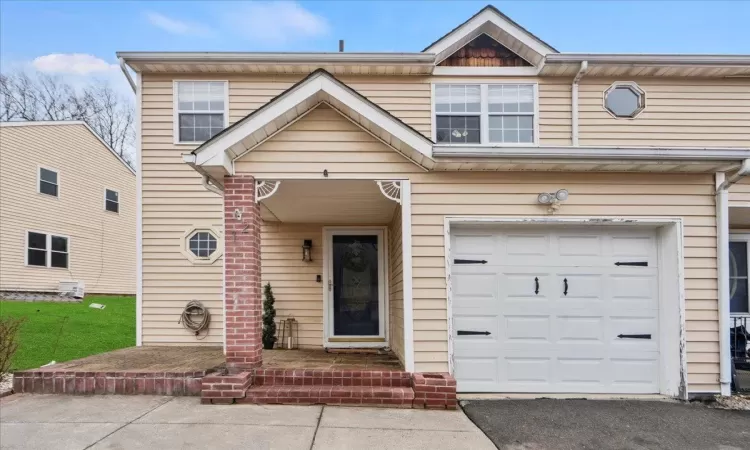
355 286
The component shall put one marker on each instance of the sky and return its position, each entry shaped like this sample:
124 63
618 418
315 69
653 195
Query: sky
78 40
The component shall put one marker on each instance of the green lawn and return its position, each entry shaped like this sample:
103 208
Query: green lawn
64 331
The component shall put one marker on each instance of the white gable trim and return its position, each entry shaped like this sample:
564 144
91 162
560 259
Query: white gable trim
296 102
484 23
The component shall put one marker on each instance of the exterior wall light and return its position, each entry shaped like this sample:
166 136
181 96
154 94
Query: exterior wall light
553 199
307 250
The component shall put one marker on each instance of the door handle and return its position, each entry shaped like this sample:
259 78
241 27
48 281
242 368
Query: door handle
565 282
330 285
634 336
536 283
472 333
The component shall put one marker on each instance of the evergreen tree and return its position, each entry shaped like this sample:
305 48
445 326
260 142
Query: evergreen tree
269 318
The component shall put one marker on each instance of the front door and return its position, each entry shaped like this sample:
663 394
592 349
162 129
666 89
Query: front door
355 287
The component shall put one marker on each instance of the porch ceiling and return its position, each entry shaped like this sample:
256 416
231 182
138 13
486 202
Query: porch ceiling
330 202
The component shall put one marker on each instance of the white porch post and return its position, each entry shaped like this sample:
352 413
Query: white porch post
407 275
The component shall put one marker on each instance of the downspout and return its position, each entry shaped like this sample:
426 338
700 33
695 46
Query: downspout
723 183
206 182
574 102
124 69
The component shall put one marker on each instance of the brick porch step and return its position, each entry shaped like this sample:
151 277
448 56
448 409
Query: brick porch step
330 395
324 377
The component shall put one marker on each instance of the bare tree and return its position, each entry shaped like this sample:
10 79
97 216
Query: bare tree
43 97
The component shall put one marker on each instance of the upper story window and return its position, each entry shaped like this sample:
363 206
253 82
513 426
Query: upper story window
48 182
46 250
501 114
200 109
112 200
624 100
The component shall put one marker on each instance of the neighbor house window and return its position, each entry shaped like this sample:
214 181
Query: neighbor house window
47 250
202 244
48 182
111 201
200 109
738 275
490 114
624 100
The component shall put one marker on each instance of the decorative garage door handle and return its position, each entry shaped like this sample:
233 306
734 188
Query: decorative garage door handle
634 336
472 333
469 261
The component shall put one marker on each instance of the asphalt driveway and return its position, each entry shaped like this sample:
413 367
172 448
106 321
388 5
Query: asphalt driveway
149 422
603 424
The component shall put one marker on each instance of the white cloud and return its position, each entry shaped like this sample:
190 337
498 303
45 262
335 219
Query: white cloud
176 26
276 22
72 63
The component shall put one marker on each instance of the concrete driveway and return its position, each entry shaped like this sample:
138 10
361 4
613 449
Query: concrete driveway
132 422
603 424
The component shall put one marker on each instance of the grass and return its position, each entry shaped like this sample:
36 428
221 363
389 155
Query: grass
64 331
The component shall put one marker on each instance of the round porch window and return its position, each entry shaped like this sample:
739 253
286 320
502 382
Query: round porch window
202 244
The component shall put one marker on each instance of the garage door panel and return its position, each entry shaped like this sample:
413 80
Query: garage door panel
553 340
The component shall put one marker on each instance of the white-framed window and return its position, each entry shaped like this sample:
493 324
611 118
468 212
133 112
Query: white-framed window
739 273
485 114
111 201
48 182
201 110
46 250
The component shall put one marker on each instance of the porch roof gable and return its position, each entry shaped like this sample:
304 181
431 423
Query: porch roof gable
284 109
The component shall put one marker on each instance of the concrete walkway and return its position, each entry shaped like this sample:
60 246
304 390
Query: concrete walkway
116 422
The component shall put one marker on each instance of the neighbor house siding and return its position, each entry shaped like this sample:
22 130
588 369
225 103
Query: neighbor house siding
101 244
679 112
396 286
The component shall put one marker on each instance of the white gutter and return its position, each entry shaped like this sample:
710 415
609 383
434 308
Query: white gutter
574 102
124 68
656 59
572 152
280 57
723 183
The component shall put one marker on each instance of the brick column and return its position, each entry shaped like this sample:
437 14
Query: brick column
242 274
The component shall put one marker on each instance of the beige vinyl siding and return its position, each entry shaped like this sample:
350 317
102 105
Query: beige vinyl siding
396 286
679 112
101 244
297 292
739 193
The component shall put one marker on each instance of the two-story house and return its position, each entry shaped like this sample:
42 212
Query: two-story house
67 211
522 219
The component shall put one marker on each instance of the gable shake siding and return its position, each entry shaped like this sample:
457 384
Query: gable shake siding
174 201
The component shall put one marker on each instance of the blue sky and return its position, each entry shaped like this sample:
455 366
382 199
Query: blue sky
82 37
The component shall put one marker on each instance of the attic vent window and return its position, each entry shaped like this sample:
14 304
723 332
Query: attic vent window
624 100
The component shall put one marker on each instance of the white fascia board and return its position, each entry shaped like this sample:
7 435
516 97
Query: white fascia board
280 57
496 20
486 71
656 59
623 153
310 88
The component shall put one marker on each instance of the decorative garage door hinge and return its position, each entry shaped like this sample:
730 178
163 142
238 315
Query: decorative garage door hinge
634 336
469 261
636 263
472 333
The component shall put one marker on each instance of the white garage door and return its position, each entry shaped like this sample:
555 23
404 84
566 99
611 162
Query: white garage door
568 310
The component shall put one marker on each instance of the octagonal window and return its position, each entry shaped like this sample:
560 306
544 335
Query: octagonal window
624 100
202 244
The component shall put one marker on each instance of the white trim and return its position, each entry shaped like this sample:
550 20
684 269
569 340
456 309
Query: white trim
138 214
673 351
105 201
655 59
39 180
486 71
321 82
383 294
571 152
278 57
484 115
69 122
739 236
408 294
48 250
722 264
176 112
